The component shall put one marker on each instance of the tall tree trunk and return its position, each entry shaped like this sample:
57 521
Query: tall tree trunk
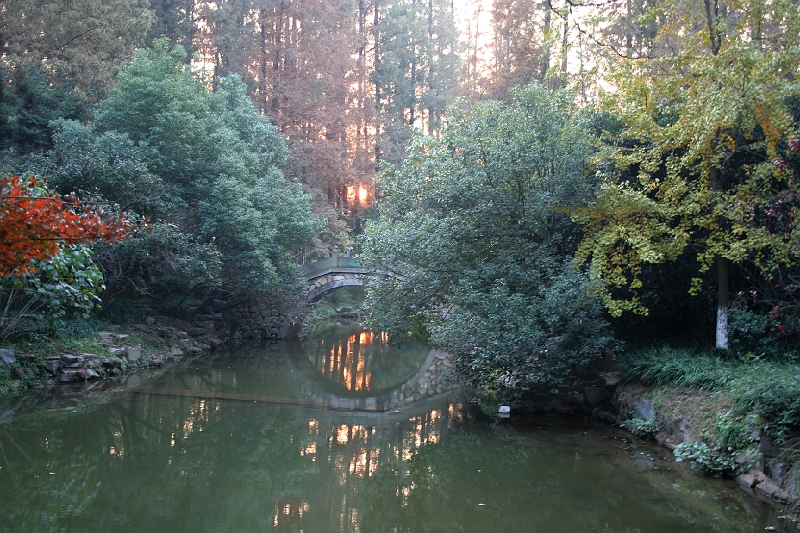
190 30
362 69
628 35
714 27
412 97
376 34
715 181
473 61
723 301
263 99
546 47
564 48
277 85
431 67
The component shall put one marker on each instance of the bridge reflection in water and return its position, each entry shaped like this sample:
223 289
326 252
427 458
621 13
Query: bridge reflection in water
362 361
219 453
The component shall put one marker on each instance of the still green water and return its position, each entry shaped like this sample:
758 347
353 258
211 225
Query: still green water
243 442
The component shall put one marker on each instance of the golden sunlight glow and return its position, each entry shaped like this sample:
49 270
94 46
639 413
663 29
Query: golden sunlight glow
289 511
348 362
358 194
342 435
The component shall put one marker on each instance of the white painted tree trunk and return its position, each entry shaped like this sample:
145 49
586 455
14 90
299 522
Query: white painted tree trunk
722 328
722 303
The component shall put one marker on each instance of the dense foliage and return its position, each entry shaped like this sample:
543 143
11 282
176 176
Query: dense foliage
203 166
218 159
693 163
35 224
473 244
676 189
39 300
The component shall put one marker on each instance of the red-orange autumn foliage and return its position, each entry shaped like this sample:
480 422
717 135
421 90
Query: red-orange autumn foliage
35 223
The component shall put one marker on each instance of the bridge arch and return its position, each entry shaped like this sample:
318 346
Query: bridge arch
315 293
322 277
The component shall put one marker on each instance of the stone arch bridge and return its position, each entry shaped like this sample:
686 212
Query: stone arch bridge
322 277
252 320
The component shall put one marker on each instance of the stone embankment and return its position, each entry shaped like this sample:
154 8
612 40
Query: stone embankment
675 417
113 353
251 321
683 416
436 376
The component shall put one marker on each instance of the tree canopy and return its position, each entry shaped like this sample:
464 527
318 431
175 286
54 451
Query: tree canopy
691 165
473 243
218 159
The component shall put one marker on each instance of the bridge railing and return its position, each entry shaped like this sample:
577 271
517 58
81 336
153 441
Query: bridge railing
334 262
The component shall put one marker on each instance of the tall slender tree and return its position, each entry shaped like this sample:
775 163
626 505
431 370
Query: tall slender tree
702 121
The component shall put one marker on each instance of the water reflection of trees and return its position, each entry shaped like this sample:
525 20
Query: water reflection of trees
489 481
152 463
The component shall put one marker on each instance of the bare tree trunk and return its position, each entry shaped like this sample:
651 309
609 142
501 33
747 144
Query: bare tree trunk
190 30
565 46
263 60
546 46
377 74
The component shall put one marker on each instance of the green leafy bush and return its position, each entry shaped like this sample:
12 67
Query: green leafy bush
642 427
772 391
763 335
477 243
39 301
732 432
706 458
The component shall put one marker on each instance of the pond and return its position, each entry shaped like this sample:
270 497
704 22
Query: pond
236 442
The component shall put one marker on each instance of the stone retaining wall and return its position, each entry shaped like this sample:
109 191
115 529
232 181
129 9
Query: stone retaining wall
436 376
255 320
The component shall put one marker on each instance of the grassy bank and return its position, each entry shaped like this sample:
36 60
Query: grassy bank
766 389
727 415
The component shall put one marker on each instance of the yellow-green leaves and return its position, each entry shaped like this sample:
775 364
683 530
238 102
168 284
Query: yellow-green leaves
692 169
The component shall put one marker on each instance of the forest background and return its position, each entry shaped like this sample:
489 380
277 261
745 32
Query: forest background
552 176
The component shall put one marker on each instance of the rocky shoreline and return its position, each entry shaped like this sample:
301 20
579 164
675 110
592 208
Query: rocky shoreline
683 419
766 466
107 355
